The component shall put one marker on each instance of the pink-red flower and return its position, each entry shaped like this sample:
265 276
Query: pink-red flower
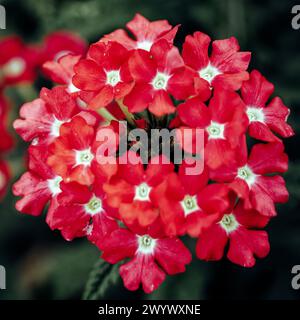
73 153
239 228
131 189
187 204
42 118
38 186
146 33
225 67
264 119
82 212
17 62
254 178
223 121
157 75
104 73
60 43
151 257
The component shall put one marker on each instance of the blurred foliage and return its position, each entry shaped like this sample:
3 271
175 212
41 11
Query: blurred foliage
40 264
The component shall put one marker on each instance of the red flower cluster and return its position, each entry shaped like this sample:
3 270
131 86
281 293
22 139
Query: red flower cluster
136 210
19 64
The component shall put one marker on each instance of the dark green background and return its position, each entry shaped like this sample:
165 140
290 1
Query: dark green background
41 265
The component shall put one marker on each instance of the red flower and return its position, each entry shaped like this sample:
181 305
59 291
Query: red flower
187 204
146 33
239 229
62 70
37 186
4 177
43 117
264 119
73 153
152 256
104 73
251 180
226 67
17 62
131 189
60 43
157 74
224 123
81 212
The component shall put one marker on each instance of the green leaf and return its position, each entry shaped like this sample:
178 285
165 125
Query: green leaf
102 276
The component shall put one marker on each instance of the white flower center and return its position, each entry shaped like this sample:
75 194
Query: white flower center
113 77
142 192
146 244
72 88
189 204
54 185
2 180
208 73
255 114
229 223
246 174
14 67
145 45
216 130
94 206
84 157
160 81
56 127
